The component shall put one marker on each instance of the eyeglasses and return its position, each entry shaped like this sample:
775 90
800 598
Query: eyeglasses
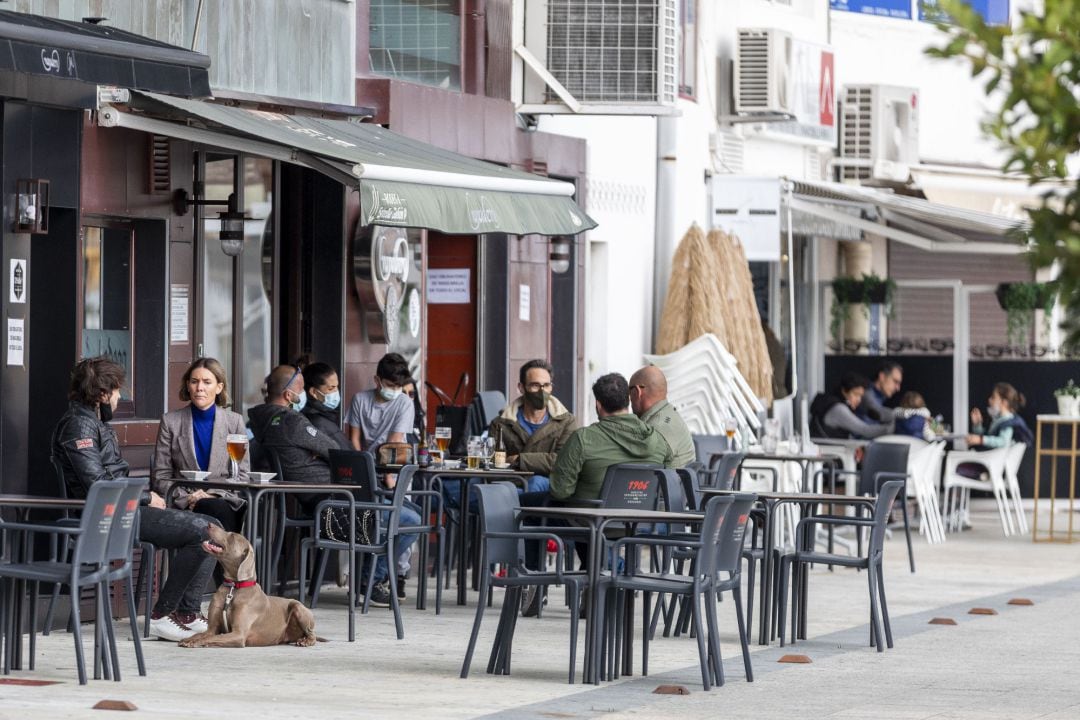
533 387
289 384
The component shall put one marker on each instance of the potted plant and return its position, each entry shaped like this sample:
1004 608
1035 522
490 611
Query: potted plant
1068 399
1020 300
848 291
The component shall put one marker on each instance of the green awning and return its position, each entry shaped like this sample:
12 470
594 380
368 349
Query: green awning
402 182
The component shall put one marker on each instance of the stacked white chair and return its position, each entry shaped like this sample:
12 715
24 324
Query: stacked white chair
924 464
958 488
706 387
1012 466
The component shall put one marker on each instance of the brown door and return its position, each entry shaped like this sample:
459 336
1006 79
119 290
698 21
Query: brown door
451 326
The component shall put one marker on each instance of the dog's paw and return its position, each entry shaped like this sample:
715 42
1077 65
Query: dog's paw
306 641
192 642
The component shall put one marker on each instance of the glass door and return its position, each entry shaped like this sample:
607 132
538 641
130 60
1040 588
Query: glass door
237 293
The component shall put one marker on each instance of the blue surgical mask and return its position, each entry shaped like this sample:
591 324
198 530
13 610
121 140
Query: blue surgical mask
300 402
388 394
332 400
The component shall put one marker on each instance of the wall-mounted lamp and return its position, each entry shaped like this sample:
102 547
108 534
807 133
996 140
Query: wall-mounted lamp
231 232
32 206
559 255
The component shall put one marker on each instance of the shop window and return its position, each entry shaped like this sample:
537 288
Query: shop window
237 293
688 39
417 41
107 272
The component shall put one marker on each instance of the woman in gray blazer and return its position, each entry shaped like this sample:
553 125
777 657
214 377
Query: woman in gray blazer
193 438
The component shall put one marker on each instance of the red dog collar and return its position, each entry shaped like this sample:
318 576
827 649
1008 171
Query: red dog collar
229 583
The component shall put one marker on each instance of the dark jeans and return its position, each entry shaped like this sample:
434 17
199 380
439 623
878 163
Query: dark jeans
220 509
191 567
535 549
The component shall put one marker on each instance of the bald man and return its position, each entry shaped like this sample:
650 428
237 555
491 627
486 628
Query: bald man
648 399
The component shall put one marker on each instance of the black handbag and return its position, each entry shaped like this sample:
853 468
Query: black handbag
451 414
336 526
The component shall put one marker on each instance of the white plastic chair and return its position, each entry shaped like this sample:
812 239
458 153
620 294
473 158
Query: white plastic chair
992 481
1012 465
924 464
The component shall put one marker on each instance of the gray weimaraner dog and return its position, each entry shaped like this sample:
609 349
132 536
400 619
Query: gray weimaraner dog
241 614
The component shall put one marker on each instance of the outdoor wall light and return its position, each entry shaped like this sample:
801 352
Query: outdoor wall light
231 232
559 256
32 206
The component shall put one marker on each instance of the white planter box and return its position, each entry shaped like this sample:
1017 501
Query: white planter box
1068 406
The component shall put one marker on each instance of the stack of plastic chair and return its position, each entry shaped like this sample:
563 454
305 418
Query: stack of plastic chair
705 385
958 487
1012 465
924 466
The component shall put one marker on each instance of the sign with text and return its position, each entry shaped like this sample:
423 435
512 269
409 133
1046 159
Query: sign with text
179 321
448 286
881 8
16 341
993 12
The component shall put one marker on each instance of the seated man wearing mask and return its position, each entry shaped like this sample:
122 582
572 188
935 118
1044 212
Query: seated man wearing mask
304 452
535 426
384 414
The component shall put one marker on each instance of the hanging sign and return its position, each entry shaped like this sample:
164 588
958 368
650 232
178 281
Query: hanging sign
524 303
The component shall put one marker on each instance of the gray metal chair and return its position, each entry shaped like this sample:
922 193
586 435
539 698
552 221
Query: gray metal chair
87 567
503 544
805 554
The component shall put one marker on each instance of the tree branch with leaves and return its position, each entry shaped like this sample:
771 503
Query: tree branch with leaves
1034 67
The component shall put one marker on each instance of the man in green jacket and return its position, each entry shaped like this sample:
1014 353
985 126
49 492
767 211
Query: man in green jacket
618 436
535 426
648 399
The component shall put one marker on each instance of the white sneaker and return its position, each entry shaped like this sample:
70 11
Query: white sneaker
167 628
199 624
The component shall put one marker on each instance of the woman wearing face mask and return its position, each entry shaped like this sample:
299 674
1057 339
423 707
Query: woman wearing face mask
1006 427
323 406
193 438
385 413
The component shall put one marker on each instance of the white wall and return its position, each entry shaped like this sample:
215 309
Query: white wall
621 198
952 104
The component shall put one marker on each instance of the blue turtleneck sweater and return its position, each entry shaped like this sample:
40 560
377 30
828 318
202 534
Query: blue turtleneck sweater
202 425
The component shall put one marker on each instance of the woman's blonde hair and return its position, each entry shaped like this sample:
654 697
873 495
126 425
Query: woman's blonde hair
219 374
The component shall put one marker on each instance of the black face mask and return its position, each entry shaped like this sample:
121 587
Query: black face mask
536 400
105 411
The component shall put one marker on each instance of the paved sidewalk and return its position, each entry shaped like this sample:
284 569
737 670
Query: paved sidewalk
1021 663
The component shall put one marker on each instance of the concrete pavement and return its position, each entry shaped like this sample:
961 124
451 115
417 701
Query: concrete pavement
1021 663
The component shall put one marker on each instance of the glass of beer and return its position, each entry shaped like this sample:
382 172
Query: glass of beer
237 446
442 441
731 425
476 455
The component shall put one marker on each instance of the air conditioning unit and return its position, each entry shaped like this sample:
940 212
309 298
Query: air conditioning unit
762 68
596 57
879 133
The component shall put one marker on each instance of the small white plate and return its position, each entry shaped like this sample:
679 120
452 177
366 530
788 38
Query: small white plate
195 474
261 477
452 464
504 466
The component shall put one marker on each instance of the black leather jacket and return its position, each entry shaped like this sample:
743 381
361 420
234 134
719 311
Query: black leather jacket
87 450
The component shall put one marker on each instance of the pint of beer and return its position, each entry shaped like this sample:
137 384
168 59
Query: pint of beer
237 447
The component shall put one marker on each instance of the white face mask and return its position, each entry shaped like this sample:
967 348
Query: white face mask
389 394
994 412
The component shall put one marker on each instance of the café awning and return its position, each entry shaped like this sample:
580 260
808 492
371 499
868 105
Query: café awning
910 220
402 182
98 54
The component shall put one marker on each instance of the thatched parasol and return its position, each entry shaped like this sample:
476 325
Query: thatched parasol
711 291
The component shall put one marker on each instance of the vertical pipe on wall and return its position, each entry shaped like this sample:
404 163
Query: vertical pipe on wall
664 241
474 31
